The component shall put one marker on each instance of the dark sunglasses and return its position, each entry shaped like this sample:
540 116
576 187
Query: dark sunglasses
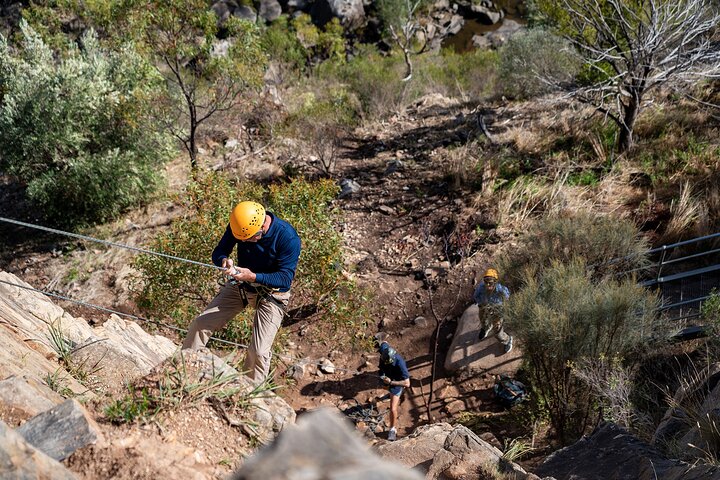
489 281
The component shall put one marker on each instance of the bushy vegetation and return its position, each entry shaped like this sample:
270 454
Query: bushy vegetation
608 245
563 316
181 290
78 129
535 62
176 385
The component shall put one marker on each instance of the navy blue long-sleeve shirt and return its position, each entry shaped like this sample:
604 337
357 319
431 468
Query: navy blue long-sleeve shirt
397 370
273 258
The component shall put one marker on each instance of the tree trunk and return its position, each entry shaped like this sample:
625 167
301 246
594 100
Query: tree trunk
630 114
192 140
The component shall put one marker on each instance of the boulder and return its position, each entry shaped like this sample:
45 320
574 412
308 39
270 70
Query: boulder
611 452
21 461
485 356
120 350
269 10
452 452
20 400
61 430
323 444
24 334
350 12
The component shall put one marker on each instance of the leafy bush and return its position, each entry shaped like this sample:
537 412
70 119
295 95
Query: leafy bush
561 317
529 59
598 239
78 130
470 75
374 78
323 44
323 123
181 290
282 45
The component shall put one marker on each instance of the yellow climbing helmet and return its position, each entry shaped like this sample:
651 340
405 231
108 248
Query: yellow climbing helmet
492 273
246 219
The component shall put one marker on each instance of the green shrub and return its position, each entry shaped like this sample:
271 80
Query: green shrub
178 289
181 290
374 78
282 45
323 44
79 131
533 61
466 75
710 312
562 316
597 239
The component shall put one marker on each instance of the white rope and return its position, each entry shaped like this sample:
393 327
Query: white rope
107 242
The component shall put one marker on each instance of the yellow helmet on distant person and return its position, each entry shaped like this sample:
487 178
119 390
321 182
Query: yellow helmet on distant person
492 273
246 219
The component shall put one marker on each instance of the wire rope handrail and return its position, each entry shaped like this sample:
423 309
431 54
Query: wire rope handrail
107 242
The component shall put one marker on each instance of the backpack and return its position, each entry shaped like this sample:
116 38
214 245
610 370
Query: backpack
509 392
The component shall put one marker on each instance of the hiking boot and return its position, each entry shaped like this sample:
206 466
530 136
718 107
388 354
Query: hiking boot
392 434
484 332
508 345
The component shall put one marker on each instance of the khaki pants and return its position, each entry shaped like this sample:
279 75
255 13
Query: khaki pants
228 303
490 317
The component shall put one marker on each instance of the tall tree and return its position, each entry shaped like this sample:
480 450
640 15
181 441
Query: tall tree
204 76
404 29
634 46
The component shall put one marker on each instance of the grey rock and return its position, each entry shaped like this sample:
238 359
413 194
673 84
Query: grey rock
487 14
441 451
61 430
394 166
455 25
323 444
120 351
387 210
298 4
486 356
21 461
20 400
350 12
611 452
420 322
270 10
326 366
348 187
244 12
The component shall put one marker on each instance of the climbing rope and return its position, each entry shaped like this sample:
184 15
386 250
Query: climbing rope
107 242
367 414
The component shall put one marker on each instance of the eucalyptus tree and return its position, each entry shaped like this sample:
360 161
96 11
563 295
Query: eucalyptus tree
204 76
631 47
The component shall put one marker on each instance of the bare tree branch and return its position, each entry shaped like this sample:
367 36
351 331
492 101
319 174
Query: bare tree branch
636 47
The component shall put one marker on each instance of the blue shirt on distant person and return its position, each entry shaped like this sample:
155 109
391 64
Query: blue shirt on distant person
395 370
496 297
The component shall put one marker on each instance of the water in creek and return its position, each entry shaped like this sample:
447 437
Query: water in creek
462 41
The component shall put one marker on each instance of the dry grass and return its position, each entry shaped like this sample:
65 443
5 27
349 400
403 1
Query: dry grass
532 198
685 210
